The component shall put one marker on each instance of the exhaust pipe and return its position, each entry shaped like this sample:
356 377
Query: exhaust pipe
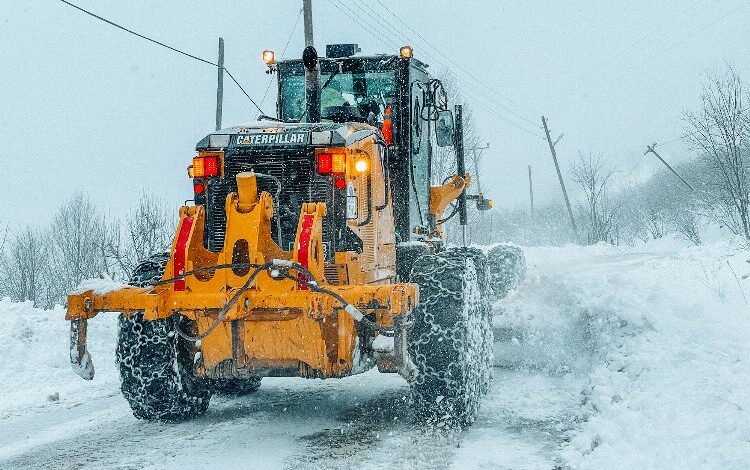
312 83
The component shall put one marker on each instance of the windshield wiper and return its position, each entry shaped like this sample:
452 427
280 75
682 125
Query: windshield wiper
330 78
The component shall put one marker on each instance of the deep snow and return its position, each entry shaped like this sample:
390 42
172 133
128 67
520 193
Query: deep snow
606 357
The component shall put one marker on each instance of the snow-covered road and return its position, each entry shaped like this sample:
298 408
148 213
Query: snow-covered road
597 353
295 424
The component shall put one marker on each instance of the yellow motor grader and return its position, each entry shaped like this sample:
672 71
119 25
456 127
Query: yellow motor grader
313 248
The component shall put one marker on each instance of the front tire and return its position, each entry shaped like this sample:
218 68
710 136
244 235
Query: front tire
446 341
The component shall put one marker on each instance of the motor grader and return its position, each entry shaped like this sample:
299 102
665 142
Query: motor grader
313 247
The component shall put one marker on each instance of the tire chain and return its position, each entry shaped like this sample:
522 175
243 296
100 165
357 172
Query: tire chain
447 340
155 368
485 290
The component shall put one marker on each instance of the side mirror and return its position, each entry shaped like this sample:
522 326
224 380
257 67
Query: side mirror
444 129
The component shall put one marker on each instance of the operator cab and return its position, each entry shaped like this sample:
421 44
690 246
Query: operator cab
394 93
389 96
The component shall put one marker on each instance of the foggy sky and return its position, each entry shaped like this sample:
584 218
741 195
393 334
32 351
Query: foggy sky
84 106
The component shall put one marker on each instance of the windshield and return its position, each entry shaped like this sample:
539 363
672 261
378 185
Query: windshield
369 92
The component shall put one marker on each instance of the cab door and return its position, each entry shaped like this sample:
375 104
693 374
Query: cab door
420 157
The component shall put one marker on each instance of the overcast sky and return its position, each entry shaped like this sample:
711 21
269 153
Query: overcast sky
86 106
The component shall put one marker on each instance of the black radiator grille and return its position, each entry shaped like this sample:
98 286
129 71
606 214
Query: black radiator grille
300 183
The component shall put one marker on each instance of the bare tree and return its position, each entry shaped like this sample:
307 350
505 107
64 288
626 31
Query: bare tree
148 229
77 232
720 131
24 269
3 239
594 178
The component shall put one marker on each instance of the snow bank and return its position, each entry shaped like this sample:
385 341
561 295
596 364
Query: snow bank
663 333
35 367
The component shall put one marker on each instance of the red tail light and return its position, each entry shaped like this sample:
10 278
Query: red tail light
205 165
332 163
325 163
212 166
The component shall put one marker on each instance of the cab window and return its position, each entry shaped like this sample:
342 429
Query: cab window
369 91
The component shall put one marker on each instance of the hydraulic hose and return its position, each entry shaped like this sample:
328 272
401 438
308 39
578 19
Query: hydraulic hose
279 270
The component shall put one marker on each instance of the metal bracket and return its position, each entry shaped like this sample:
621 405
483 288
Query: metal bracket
80 359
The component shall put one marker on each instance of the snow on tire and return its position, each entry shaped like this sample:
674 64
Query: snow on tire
156 363
507 269
481 266
446 341
149 271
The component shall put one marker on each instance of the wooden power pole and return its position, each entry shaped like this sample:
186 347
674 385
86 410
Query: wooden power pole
475 176
650 149
560 178
531 192
220 85
308 22
312 67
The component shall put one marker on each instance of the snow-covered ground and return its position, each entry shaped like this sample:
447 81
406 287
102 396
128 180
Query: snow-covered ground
606 357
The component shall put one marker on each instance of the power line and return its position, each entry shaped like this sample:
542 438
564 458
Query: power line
398 18
669 21
139 35
672 141
341 6
174 49
643 157
242 89
478 99
283 53
696 32
482 92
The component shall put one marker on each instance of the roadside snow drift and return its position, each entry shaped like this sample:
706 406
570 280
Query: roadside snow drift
35 366
664 336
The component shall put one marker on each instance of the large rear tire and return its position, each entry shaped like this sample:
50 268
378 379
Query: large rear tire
156 363
481 266
507 267
446 341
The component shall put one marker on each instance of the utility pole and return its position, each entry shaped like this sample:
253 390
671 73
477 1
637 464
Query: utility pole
531 192
307 7
476 164
220 85
559 177
650 149
312 67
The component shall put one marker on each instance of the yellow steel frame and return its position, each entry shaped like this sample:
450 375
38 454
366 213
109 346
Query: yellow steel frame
274 324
